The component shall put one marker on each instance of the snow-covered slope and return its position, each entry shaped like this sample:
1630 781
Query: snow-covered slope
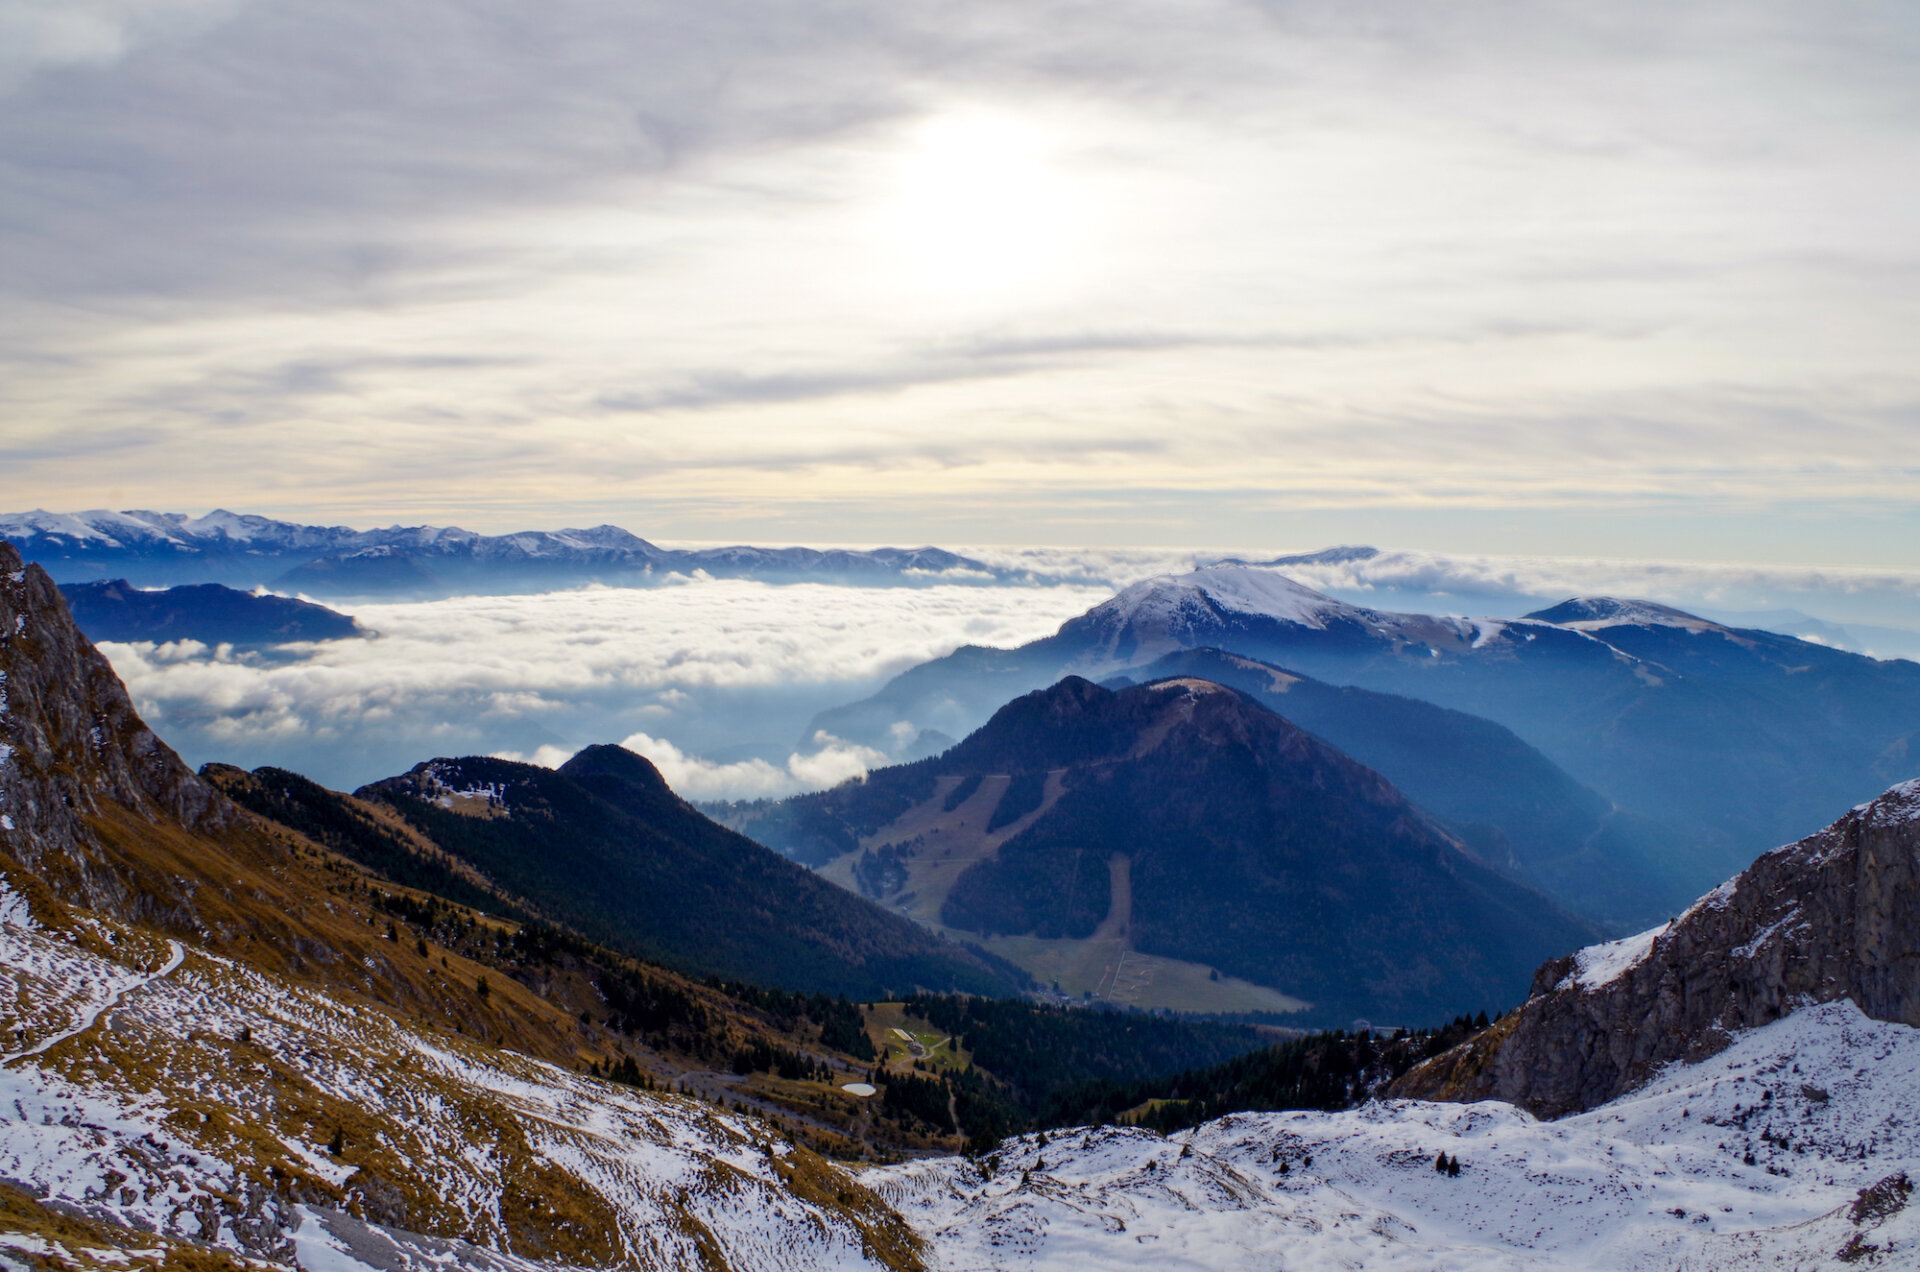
1826 1103
1597 613
156 1087
1185 611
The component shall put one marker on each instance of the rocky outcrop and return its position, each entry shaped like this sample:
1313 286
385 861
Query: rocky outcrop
74 750
1836 915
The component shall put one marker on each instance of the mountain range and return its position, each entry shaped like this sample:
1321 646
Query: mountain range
234 1043
162 548
1718 742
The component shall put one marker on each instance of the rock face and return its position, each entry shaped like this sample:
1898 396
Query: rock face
1834 916
72 747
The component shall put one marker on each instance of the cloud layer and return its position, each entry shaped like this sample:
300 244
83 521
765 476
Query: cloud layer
727 670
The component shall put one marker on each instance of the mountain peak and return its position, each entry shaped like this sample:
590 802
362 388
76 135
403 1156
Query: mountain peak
629 769
1591 613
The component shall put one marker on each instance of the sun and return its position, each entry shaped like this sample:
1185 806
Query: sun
980 203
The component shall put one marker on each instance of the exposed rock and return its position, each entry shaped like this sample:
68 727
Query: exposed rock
1836 915
72 747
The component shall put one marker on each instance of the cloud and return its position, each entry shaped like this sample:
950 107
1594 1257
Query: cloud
731 669
634 261
835 761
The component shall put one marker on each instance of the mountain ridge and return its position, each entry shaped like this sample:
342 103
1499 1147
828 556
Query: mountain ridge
1826 918
155 548
1733 739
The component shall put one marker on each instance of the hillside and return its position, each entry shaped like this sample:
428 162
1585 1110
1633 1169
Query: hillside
1090 831
1737 1163
603 845
1506 800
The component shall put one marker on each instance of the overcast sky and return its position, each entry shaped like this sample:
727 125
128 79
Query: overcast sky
1637 279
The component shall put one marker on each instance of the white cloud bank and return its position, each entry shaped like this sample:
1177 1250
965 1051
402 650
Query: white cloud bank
704 668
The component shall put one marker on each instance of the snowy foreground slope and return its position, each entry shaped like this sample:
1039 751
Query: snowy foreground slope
147 1086
1827 1102
164 1090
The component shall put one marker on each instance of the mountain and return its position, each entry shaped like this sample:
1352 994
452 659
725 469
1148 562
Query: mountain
1732 739
232 1045
163 548
1739 1089
1180 820
1509 803
227 1042
605 846
1829 918
206 612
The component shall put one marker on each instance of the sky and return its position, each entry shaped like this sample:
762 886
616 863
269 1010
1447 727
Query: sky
1625 280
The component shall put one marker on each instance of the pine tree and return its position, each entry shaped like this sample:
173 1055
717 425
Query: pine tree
1440 1163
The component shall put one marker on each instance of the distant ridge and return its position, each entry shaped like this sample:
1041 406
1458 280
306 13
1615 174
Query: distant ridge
163 548
206 612
1733 739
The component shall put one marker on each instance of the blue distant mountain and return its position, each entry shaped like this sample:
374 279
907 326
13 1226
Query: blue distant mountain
206 612
1735 740
157 549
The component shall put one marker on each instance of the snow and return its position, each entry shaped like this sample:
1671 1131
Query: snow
1486 630
1602 964
1899 804
122 1039
1827 1101
1236 589
1596 613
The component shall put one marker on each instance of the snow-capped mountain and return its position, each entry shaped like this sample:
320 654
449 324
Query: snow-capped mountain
163 548
1732 739
1187 611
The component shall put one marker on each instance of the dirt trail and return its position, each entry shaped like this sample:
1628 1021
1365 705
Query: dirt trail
176 955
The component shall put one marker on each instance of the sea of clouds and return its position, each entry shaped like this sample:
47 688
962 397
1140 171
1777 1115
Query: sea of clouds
717 681
714 680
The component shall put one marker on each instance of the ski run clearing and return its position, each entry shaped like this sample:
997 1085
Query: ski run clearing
133 1097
